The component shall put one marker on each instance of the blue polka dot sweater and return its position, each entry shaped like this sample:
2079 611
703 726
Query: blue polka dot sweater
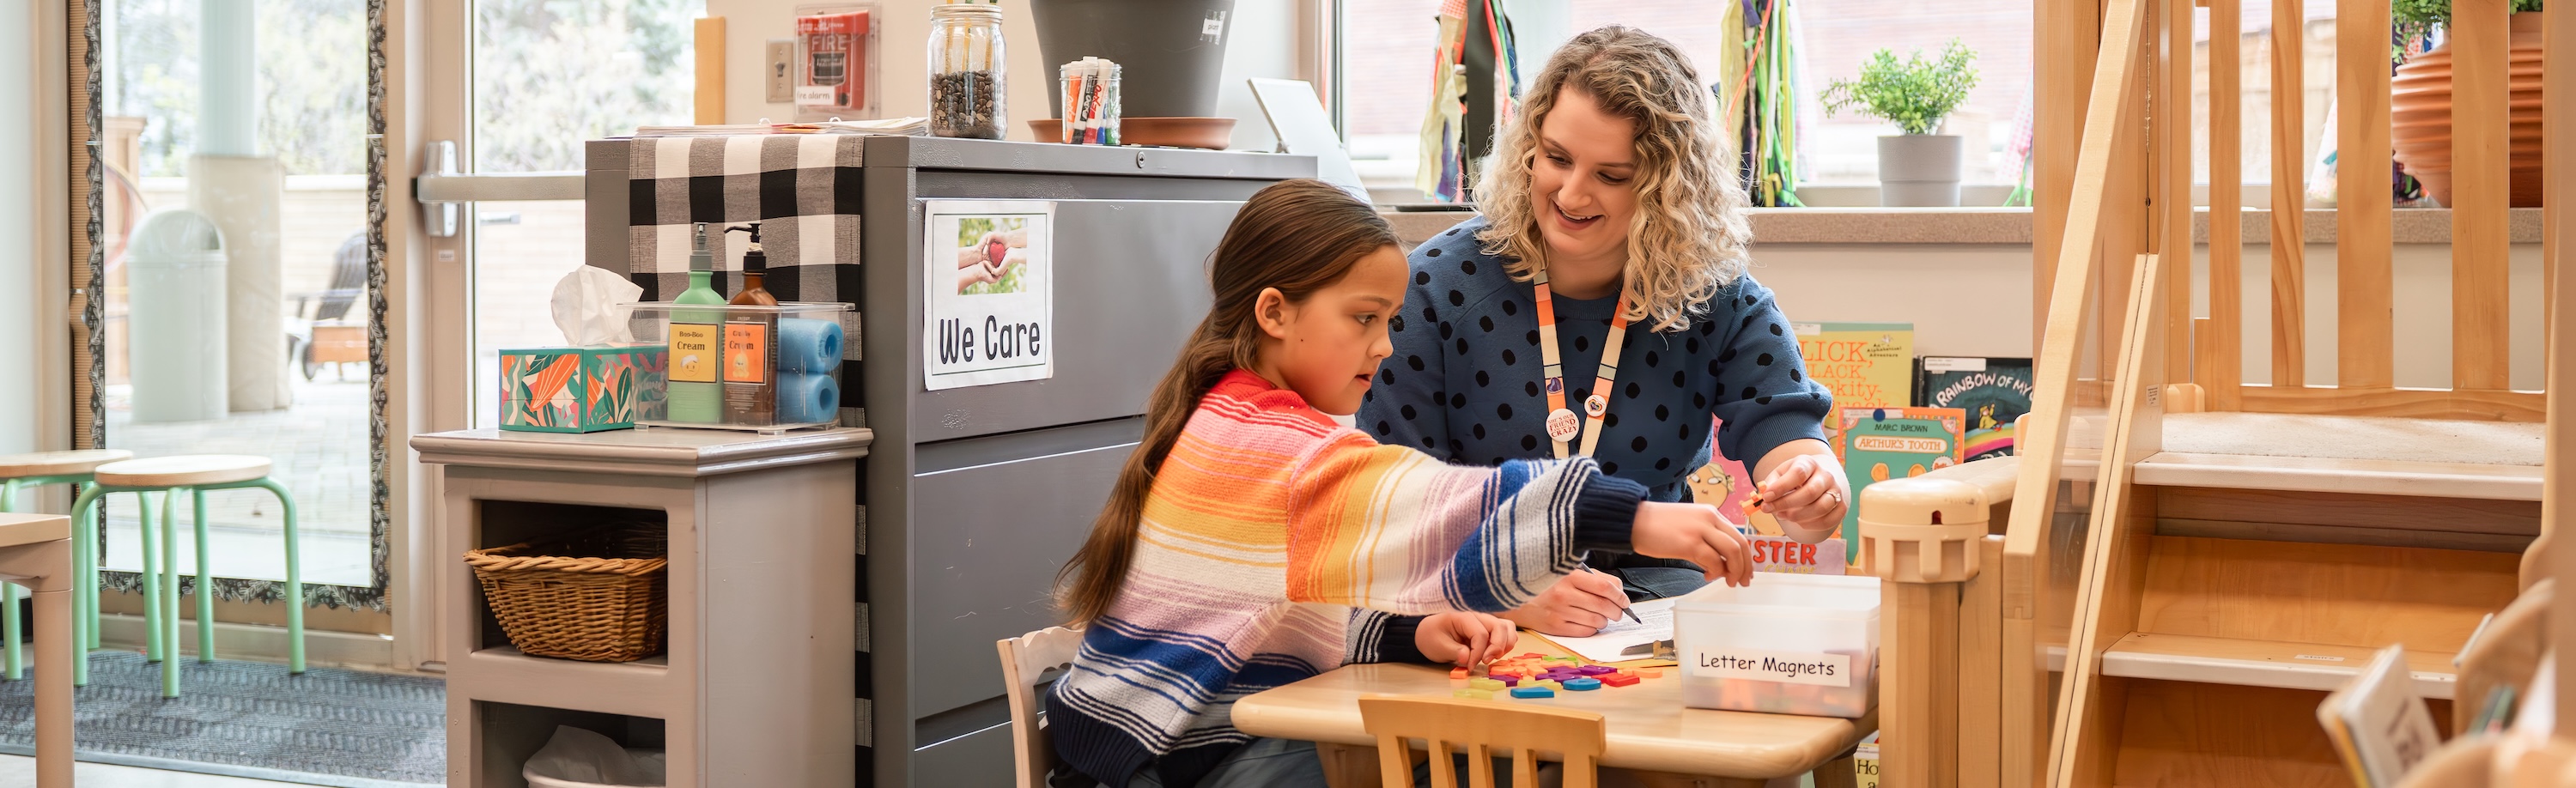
1465 382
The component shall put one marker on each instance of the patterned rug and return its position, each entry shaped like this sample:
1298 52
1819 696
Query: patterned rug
250 719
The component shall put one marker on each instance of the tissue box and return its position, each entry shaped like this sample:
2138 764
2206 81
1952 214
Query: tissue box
1787 644
581 389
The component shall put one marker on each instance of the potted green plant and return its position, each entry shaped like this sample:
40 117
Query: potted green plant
1919 167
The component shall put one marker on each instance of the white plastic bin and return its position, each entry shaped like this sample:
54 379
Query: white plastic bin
578 758
1787 644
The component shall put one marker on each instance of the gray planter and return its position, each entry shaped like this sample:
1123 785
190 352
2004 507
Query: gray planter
1919 170
1171 52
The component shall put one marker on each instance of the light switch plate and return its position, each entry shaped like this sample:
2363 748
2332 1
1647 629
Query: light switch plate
781 66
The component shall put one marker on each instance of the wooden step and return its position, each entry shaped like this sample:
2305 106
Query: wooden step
2348 454
2263 663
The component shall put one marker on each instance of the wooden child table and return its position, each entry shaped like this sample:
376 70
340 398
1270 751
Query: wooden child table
1650 732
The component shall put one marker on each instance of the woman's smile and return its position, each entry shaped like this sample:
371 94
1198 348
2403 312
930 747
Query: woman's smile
1574 222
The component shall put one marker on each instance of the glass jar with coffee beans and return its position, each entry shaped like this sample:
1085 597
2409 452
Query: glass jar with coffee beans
966 61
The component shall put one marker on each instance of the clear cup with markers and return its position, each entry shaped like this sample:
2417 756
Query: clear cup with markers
1785 644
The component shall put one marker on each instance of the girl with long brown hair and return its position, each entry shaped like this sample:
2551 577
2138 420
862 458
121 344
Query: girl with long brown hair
1251 541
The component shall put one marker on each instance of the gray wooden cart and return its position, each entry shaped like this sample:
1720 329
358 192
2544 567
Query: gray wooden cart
755 687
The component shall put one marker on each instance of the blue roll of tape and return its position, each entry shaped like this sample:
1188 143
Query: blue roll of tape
808 345
808 397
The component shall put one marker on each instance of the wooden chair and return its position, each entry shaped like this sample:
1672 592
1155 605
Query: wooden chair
19 472
36 552
1028 661
1481 727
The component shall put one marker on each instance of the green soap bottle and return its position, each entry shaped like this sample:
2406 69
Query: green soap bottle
697 342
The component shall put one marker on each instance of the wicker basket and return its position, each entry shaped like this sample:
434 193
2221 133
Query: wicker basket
597 596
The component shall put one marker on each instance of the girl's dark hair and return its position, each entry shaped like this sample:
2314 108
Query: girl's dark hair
1296 236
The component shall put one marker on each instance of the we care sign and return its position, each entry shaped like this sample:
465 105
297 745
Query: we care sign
989 292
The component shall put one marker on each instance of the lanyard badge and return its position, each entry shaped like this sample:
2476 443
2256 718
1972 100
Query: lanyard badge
1562 424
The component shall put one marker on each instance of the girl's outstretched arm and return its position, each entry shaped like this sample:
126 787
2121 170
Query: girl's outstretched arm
1389 528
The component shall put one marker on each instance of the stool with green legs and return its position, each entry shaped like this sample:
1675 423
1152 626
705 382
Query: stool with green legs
194 475
22 471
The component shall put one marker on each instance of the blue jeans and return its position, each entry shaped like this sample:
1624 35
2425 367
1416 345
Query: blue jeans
1261 763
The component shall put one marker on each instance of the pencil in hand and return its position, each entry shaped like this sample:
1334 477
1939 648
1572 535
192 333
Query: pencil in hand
1630 612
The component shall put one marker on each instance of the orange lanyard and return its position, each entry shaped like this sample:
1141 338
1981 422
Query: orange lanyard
1561 422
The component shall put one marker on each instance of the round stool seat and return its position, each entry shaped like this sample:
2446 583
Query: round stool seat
186 470
58 463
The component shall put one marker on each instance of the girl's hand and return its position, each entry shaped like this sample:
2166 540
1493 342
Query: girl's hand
1465 638
1695 533
1808 494
1579 605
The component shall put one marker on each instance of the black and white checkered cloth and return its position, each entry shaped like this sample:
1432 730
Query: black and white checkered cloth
802 188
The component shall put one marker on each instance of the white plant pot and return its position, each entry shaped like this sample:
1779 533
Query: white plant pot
1919 170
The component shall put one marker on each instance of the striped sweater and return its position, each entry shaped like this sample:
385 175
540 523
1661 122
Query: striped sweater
1276 545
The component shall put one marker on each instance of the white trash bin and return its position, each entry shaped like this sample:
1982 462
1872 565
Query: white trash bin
175 318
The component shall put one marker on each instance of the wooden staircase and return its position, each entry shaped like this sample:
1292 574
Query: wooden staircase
2165 583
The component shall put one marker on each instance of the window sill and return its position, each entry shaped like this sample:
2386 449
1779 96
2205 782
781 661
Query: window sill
1997 226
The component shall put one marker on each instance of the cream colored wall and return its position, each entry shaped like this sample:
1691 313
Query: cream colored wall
1974 300
2422 314
18 230
1963 299
1266 41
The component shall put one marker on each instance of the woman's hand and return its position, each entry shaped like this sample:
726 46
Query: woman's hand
1465 638
1577 606
1808 494
1695 533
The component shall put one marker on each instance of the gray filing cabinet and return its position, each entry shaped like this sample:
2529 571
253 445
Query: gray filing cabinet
975 496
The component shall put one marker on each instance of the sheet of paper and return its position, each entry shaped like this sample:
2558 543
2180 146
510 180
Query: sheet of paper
1604 646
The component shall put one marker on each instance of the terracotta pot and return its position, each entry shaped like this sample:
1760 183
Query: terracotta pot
2420 114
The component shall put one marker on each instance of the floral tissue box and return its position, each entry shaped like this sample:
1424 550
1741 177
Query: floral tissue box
582 389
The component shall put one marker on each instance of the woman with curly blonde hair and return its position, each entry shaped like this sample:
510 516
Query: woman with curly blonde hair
1613 225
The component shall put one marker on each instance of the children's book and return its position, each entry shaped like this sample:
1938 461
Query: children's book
1865 763
1863 364
1878 444
1722 482
1993 391
1781 554
2378 723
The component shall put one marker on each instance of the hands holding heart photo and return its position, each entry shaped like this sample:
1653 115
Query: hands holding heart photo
988 253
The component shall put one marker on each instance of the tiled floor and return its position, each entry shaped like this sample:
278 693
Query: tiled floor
320 449
20 772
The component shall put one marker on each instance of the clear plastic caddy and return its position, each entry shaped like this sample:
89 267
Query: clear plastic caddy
1787 644
763 368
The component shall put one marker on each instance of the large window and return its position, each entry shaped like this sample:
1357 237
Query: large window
548 77
1388 45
